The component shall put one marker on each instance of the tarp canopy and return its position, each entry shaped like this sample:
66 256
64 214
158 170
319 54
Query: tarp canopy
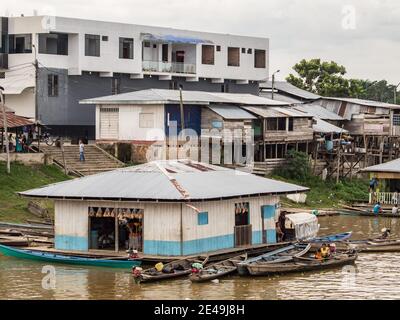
169 38
305 224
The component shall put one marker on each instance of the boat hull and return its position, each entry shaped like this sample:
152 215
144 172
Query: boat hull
299 266
62 259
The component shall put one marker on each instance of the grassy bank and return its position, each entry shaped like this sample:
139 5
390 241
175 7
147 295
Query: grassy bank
329 194
13 208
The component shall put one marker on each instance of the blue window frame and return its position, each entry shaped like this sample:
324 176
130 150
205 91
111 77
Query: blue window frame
202 218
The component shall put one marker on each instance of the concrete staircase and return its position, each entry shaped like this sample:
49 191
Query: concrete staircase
97 160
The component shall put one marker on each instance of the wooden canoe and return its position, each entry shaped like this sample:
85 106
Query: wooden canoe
64 259
376 245
301 264
276 256
332 238
172 270
218 270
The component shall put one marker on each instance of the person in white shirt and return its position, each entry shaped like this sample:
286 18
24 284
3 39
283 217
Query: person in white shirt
395 209
81 151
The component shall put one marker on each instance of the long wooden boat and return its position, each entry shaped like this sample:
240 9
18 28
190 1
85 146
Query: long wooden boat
332 238
277 256
172 270
376 245
218 270
75 260
368 213
301 264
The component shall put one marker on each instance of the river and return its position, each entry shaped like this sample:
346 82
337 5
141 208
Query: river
374 276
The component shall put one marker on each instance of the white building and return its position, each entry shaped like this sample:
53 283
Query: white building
80 59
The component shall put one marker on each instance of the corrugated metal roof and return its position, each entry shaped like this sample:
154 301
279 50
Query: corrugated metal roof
231 112
391 166
177 180
279 97
276 112
163 96
318 111
287 87
326 127
14 121
368 103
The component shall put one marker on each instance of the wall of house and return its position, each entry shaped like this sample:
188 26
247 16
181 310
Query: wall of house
162 230
302 131
22 104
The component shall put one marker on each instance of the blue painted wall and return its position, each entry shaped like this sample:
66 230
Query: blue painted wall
71 243
192 117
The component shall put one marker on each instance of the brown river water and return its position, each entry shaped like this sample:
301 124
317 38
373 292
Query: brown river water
374 276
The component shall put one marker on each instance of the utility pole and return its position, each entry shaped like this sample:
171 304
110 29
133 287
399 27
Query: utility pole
36 65
5 129
273 84
395 93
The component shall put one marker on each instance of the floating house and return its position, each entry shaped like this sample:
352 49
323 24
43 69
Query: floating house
388 176
173 208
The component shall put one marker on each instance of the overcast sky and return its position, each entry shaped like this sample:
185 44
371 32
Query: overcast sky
363 35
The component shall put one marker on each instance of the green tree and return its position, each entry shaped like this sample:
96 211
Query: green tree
321 77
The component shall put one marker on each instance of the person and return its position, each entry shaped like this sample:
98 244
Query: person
10 143
377 208
325 252
81 151
318 254
373 184
395 209
385 233
282 224
23 143
332 248
18 144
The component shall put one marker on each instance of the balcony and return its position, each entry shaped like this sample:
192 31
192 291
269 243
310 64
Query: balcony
168 67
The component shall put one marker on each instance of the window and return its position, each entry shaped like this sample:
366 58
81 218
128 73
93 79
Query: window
219 48
281 124
173 85
280 151
92 45
146 120
243 50
242 214
290 124
249 51
216 124
104 38
396 119
20 43
202 218
115 86
2 75
53 43
164 52
146 44
52 85
155 46
125 48
207 55
259 58
233 57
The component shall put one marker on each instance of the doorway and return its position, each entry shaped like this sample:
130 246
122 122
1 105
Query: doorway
116 228
243 228
268 224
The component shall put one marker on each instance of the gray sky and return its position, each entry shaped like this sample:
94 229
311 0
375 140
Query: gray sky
363 35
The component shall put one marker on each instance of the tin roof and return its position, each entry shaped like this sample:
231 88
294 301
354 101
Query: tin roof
368 103
14 121
288 88
279 97
173 180
164 96
325 127
391 166
276 112
319 111
231 112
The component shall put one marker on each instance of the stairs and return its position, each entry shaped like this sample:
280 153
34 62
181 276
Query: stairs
97 160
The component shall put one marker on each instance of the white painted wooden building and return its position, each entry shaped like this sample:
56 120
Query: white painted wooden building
180 207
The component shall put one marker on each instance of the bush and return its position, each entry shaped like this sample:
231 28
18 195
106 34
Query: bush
296 168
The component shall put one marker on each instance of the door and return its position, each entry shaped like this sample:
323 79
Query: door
180 61
243 228
109 123
268 223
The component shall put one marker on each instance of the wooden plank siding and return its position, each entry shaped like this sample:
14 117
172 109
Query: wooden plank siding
302 131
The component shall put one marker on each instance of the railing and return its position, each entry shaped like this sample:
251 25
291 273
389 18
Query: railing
168 67
384 197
